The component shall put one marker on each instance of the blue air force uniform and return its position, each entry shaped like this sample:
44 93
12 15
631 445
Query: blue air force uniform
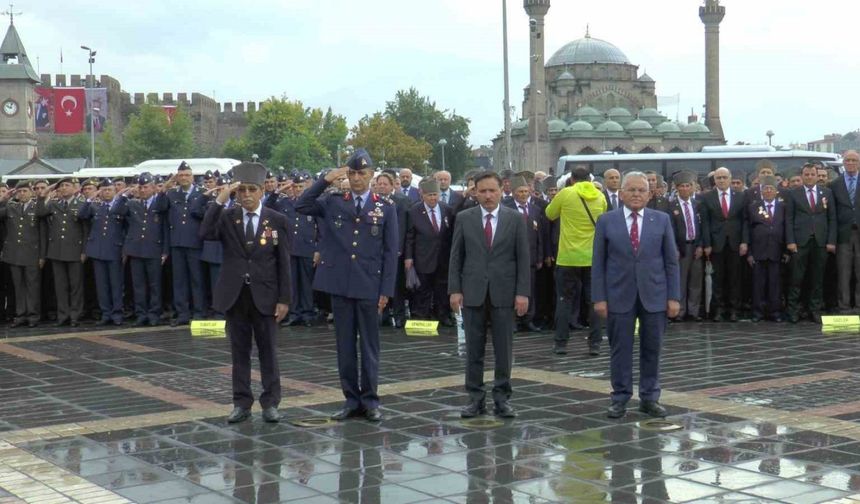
304 236
358 264
146 242
212 254
186 210
104 248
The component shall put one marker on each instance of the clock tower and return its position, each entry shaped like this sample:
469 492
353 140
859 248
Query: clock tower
17 95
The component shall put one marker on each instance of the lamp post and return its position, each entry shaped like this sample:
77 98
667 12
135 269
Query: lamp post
426 164
338 156
507 104
769 137
443 143
92 82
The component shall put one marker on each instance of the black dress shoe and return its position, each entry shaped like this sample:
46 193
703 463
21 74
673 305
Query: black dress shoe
373 415
652 408
176 323
472 410
61 323
117 322
446 322
815 317
74 323
154 323
559 349
698 319
616 410
594 350
399 323
755 318
792 319
345 413
778 319
140 322
531 326
16 324
32 324
504 410
271 415
239 414
733 317
103 322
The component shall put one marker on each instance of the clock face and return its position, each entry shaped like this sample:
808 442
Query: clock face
10 107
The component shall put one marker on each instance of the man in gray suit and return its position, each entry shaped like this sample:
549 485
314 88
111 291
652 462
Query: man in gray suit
634 274
489 278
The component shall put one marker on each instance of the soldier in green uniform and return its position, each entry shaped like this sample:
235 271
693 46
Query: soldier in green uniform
24 252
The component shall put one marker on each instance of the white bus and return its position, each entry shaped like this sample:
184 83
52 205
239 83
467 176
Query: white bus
742 157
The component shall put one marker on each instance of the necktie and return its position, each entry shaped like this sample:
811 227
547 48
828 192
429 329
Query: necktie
445 198
634 233
852 188
249 229
770 210
614 201
811 199
434 221
691 230
488 231
525 211
358 205
725 205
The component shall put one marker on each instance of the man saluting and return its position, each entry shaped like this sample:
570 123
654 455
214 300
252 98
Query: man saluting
253 288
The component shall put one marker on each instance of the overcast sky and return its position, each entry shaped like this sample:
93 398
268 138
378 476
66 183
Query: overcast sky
787 65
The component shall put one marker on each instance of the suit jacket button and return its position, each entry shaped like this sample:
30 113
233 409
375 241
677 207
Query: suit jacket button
357 220
355 244
356 232
352 257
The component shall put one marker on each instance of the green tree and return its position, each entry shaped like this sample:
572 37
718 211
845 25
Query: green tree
76 146
385 139
149 135
421 119
236 148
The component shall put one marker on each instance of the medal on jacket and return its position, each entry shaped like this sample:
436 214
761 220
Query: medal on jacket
374 231
275 237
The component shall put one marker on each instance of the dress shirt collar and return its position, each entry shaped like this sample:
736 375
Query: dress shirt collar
364 197
628 212
257 211
494 213
431 210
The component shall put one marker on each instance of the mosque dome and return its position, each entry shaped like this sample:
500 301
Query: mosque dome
556 125
668 127
695 127
580 125
565 76
587 51
610 127
639 125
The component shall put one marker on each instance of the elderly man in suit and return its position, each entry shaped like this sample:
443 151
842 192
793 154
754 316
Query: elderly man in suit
687 224
253 287
447 195
635 276
848 234
612 188
537 230
489 279
765 234
810 233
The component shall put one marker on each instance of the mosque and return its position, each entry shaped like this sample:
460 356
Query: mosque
590 98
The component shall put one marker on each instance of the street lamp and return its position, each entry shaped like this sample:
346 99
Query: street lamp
507 104
769 137
92 84
426 164
443 143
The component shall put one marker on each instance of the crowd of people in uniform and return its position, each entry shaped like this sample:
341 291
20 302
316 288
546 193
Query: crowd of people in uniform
758 246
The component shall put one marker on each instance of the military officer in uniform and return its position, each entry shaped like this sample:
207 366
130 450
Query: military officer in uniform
304 252
358 266
24 252
212 253
186 208
146 246
253 287
104 248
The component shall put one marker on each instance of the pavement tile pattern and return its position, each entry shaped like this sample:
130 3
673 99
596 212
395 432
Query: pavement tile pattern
765 413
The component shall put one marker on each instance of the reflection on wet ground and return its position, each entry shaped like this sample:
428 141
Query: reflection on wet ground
561 448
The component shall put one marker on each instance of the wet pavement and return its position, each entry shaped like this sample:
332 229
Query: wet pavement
758 413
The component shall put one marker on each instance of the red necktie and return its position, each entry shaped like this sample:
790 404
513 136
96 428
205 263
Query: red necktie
435 223
525 214
770 210
488 231
691 231
811 200
725 205
634 233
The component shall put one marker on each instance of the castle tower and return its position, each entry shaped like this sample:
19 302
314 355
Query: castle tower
536 156
17 91
712 14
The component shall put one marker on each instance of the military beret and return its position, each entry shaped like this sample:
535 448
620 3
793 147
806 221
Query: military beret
518 181
105 182
4 184
40 181
768 181
684 177
145 178
90 182
208 175
250 173
506 174
71 180
282 178
550 182
23 183
183 166
359 160
222 181
428 185
270 175
526 174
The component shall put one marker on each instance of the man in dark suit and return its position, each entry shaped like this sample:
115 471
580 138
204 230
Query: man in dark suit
428 247
537 230
66 239
396 309
656 201
406 188
253 288
687 224
810 234
612 188
358 266
765 234
722 227
489 280
447 196
845 196
635 275
24 251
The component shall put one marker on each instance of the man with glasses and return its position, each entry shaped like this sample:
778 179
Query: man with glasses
358 266
848 229
253 288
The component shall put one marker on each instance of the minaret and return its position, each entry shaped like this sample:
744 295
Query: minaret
712 14
17 89
539 138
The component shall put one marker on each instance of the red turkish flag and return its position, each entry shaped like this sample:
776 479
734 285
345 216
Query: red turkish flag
69 110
